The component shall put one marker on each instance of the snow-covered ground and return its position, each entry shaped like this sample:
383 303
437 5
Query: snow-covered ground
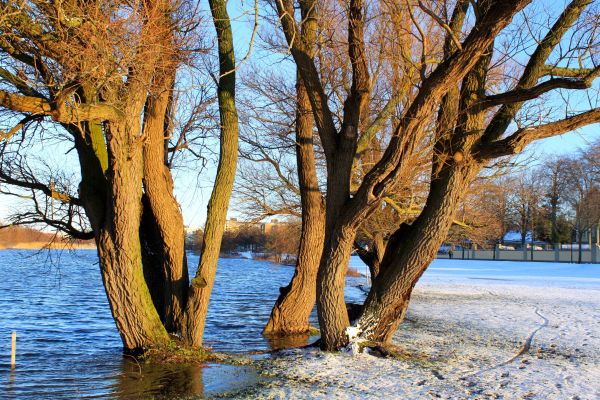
474 330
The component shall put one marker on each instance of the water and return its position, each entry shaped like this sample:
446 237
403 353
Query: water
68 346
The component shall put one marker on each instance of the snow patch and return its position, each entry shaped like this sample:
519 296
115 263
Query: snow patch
533 336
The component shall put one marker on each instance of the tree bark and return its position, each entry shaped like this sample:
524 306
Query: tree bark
110 191
201 287
412 248
163 255
296 301
408 256
119 246
333 316
293 307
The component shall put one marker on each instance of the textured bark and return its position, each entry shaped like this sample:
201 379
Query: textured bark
201 287
93 161
340 231
342 210
413 247
106 130
296 301
119 247
162 230
293 307
333 316
407 259
110 192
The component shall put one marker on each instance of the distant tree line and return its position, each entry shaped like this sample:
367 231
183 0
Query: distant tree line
21 234
280 243
557 201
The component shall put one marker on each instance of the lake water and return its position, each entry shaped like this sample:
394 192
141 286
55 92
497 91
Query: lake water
68 346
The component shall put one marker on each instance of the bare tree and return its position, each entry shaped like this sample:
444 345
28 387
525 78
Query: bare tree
554 184
472 128
106 74
582 195
88 68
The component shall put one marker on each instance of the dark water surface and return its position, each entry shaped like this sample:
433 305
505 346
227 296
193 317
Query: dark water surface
68 346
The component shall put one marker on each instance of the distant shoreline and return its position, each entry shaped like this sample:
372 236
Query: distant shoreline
47 246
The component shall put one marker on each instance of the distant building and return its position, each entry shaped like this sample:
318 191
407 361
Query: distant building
514 239
233 225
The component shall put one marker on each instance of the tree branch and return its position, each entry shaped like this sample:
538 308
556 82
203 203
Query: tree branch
444 25
524 94
535 68
19 84
310 76
378 123
36 185
550 70
516 142
60 113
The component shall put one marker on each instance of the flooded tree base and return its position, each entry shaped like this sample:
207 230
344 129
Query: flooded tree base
177 353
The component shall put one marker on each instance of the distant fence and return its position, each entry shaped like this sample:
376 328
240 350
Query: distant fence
554 255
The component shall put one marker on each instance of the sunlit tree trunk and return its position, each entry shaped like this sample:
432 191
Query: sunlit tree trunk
409 253
162 222
119 246
202 284
296 301
110 191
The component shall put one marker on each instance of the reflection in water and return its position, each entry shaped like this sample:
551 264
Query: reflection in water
175 381
151 380
11 379
277 342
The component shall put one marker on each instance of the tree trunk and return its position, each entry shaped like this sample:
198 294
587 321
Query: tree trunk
333 316
110 192
201 287
296 301
409 253
164 267
579 249
119 247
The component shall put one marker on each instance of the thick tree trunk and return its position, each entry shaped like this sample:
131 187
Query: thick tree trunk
296 301
333 316
119 247
111 193
164 267
168 294
201 287
409 253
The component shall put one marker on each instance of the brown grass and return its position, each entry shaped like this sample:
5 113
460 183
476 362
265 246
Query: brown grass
46 245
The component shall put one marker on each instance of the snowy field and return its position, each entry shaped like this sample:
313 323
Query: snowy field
474 330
